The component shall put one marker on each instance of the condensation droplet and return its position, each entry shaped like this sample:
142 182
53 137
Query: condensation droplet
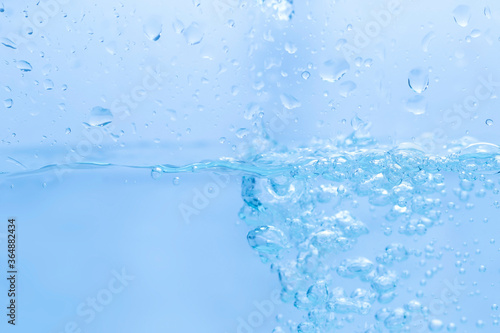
418 80
289 101
100 117
193 34
153 30
24 66
334 69
462 15
8 103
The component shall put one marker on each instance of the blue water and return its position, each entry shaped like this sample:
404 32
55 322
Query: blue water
363 237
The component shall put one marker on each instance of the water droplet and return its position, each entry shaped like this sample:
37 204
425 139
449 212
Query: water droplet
68 130
305 75
193 34
346 88
418 80
178 26
334 69
8 103
416 105
290 48
48 84
462 15
100 117
489 122
24 66
289 101
451 327
111 48
426 40
252 111
8 43
487 12
153 30
156 173
475 33
242 132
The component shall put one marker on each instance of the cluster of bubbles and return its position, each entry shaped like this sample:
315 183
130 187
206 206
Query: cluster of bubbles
301 209
279 9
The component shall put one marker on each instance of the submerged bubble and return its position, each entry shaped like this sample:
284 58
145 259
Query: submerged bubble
462 15
100 117
418 80
279 9
267 240
489 122
397 319
435 325
305 75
